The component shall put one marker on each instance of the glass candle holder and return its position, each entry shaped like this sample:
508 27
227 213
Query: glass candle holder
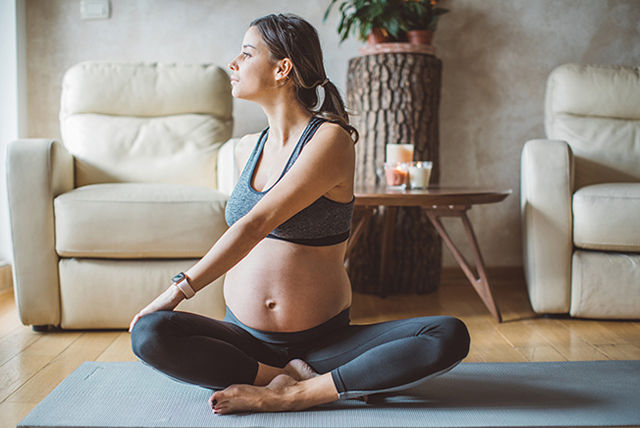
419 174
396 175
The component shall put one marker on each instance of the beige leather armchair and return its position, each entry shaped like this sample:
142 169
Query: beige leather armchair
580 195
133 194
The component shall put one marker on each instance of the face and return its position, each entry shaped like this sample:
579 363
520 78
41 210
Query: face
253 73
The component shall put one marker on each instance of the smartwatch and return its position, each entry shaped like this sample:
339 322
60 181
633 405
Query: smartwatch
182 282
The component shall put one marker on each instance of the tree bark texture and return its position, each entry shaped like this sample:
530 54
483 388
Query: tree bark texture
394 98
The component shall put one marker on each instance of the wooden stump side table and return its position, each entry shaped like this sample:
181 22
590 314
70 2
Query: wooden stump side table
394 93
436 202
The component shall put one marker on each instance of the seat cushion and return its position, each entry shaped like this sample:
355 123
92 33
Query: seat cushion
138 220
100 293
605 217
605 285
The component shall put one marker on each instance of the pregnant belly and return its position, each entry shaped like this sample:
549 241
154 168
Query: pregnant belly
285 287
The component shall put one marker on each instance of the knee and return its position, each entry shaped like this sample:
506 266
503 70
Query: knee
456 337
147 334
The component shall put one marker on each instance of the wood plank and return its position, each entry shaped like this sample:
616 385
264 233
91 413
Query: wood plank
492 346
538 353
520 334
119 350
87 348
628 331
15 341
620 351
474 356
594 332
8 316
20 368
565 340
12 413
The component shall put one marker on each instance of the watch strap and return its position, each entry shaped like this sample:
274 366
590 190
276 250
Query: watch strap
183 285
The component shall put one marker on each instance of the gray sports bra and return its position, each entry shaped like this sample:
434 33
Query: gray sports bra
324 222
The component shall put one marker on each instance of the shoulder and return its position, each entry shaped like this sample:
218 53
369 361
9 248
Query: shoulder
334 131
244 147
248 141
334 139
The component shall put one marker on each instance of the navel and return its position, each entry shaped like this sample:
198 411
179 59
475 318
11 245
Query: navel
271 304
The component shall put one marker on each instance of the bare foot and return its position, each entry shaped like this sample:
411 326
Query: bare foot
278 395
300 370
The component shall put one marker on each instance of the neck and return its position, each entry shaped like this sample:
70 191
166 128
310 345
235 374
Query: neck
287 118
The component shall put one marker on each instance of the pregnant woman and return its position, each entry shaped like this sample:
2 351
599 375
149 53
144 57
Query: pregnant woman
286 342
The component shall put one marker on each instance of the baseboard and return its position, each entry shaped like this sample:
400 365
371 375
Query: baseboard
6 278
494 273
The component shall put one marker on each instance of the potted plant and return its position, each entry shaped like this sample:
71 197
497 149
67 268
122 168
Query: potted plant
420 18
376 21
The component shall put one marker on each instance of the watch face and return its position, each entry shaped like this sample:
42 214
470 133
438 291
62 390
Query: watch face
179 277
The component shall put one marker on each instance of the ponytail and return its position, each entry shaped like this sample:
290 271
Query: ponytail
333 110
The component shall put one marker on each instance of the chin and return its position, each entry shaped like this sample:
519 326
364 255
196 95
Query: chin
241 96
236 92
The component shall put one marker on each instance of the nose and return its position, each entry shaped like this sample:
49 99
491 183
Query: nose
233 65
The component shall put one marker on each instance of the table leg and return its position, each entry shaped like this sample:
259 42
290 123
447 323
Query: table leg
479 281
363 216
387 243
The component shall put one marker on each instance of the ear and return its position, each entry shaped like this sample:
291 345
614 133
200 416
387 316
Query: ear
283 70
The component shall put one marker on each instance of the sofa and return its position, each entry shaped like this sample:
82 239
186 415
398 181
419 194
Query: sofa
133 193
580 195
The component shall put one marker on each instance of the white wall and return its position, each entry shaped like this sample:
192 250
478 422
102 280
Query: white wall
12 13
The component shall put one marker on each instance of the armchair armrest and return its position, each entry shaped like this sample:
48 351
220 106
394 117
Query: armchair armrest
545 206
37 171
227 169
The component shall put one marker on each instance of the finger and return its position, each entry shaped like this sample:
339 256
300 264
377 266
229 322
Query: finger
133 322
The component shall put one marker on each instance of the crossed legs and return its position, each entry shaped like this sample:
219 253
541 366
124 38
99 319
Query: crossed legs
249 374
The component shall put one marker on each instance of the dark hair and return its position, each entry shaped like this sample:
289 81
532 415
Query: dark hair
290 36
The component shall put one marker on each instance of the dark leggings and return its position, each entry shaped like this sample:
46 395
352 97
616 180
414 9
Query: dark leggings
363 359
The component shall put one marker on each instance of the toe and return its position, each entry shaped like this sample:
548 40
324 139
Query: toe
216 397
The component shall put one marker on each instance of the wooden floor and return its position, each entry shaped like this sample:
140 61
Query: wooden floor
32 364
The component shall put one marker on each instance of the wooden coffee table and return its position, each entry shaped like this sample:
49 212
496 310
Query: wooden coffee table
436 202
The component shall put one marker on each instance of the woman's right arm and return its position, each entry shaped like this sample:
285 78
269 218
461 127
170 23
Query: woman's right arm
232 247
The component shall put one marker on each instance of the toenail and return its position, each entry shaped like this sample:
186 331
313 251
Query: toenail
213 403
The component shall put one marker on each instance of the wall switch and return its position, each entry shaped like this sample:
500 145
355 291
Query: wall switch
94 9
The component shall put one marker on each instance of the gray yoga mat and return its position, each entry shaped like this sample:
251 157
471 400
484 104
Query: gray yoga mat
589 393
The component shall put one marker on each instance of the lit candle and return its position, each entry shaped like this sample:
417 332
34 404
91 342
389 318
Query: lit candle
396 174
398 153
419 174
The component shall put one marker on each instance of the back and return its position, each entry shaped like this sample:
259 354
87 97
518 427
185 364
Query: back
145 122
596 109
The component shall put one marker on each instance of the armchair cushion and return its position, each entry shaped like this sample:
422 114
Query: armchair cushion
596 109
107 293
171 149
145 122
605 217
138 220
605 285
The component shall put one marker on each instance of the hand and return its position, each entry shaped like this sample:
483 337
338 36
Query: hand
167 301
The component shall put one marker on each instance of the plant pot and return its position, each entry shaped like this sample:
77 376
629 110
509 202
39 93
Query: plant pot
420 37
378 35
